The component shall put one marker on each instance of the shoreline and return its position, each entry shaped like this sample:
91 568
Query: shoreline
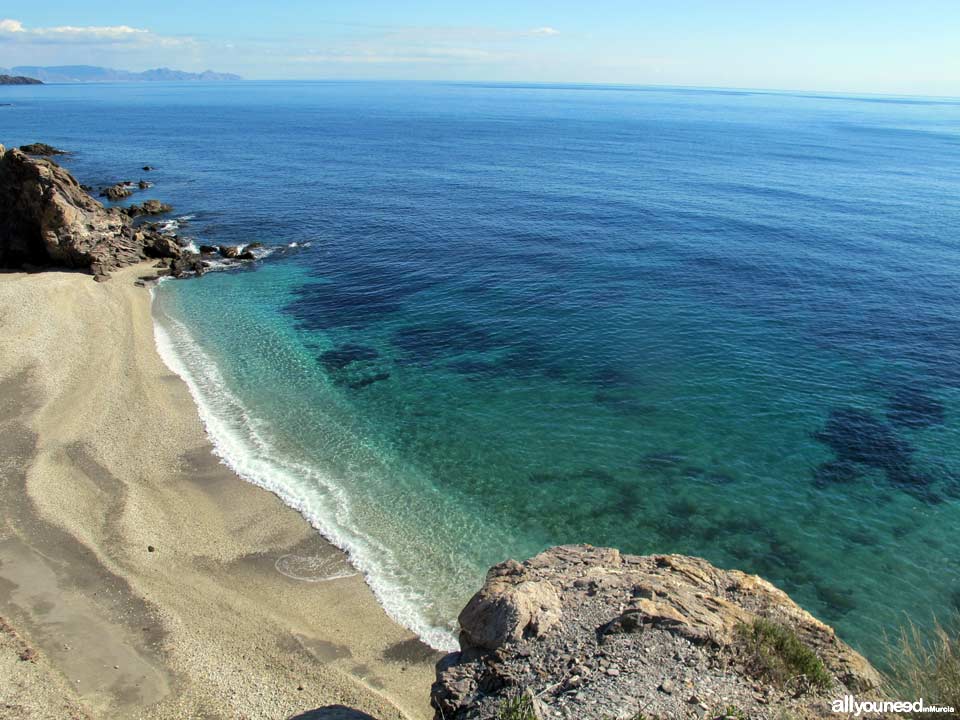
106 458
233 434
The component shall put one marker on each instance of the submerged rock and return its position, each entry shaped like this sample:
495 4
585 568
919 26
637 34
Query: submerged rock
590 633
46 219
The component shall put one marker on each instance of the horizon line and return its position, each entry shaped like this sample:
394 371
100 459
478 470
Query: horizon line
546 84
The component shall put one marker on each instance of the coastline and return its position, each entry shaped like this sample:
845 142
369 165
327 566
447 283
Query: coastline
105 457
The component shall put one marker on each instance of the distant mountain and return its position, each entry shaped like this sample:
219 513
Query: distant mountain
18 80
91 73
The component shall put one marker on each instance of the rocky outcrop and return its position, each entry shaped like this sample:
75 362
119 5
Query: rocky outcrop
41 149
583 632
47 219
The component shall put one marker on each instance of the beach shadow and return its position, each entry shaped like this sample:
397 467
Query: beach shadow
333 712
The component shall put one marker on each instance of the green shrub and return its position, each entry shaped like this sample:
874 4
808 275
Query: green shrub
778 656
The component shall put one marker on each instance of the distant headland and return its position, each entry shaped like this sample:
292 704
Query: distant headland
29 74
18 80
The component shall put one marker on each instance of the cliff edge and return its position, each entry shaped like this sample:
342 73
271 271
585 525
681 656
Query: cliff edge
588 633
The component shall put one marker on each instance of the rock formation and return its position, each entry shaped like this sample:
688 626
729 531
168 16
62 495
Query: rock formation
46 219
41 149
587 633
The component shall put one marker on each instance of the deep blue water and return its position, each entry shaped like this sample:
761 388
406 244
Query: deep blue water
670 320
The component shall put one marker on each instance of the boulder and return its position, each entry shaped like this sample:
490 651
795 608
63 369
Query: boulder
230 251
187 264
148 207
46 219
504 612
117 192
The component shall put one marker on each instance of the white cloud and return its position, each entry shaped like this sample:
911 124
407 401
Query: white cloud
437 45
395 56
14 31
11 26
115 32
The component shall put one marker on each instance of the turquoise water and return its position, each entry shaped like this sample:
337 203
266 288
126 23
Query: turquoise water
717 323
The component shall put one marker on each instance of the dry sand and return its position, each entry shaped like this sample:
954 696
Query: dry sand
101 456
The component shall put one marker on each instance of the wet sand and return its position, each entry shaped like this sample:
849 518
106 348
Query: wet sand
103 457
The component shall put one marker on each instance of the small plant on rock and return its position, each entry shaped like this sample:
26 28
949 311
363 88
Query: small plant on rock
516 707
778 656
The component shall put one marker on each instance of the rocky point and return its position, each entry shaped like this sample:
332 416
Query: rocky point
48 220
587 633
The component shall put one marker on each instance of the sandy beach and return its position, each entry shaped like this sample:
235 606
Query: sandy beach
138 575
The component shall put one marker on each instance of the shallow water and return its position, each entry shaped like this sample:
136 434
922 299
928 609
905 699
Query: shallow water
723 324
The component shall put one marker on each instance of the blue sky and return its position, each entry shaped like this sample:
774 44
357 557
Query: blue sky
885 46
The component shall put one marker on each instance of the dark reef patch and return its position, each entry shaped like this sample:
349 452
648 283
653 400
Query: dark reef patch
344 355
320 307
612 377
367 381
915 409
838 602
856 436
353 294
528 359
859 438
836 471
661 461
587 475
475 368
716 477
860 536
426 344
623 403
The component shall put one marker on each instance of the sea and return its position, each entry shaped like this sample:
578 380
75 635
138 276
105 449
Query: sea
492 318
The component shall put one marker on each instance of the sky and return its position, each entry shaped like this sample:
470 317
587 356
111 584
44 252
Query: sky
878 46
